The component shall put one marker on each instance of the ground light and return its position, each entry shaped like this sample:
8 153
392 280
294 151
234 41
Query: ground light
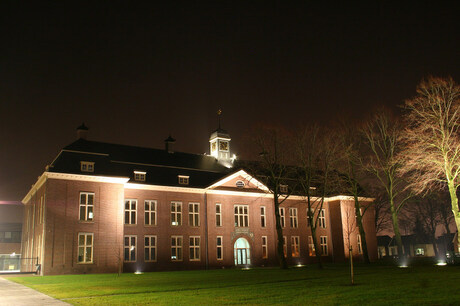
138 272
441 263
300 265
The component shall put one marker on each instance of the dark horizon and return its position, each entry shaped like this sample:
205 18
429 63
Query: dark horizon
138 73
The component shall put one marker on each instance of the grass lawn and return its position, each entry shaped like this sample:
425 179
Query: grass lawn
375 284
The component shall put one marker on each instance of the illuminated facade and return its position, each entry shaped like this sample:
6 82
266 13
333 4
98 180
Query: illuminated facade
103 207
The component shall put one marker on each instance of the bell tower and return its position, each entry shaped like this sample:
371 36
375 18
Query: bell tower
219 144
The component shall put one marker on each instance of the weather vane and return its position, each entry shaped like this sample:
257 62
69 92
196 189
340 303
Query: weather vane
219 113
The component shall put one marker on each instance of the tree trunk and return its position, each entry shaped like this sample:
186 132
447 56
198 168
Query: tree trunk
352 273
279 232
318 251
362 233
455 210
394 219
435 248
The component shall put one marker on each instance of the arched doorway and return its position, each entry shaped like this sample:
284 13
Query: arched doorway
242 252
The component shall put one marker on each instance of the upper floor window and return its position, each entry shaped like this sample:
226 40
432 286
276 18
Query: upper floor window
194 214
322 218
284 189
85 247
183 179
241 215
293 217
218 214
86 206
150 212
176 213
262 216
130 211
139 176
86 166
239 184
282 217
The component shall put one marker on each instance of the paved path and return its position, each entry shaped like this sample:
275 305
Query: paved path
13 294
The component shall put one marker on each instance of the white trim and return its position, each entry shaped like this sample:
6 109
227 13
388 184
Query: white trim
243 174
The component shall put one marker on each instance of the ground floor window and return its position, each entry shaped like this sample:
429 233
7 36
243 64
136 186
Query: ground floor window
285 246
311 246
323 244
219 248
264 247
194 248
85 247
176 248
150 248
295 246
130 248
360 247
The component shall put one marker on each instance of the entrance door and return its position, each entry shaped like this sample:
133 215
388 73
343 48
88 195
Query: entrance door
242 252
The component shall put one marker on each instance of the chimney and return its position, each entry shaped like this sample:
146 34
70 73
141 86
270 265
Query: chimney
169 144
82 131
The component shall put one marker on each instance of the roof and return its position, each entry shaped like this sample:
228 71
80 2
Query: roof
161 166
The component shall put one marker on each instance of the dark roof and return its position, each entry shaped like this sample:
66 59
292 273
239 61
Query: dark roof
219 133
161 167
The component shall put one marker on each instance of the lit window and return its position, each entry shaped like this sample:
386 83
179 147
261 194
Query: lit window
139 176
219 245
295 246
130 211
264 247
130 248
322 218
176 248
86 166
282 217
150 248
283 188
150 212
85 247
176 213
218 214
420 251
241 216
183 180
323 244
311 246
86 206
293 217
262 216
194 247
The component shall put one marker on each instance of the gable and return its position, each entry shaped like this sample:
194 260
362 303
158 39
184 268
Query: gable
239 181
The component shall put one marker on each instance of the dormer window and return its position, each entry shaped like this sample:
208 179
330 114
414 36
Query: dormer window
284 188
183 179
139 176
86 166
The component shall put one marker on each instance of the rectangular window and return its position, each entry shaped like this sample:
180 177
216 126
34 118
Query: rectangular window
262 216
293 217
139 176
323 244
194 247
218 214
322 218
176 213
241 216
194 214
150 248
285 246
264 247
86 206
283 188
42 210
183 179
130 244
86 166
309 216
130 211
360 247
295 246
282 217
176 248
219 245
85 247
150 212
311 246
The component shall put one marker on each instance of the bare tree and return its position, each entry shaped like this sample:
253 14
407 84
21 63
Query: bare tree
383 138
349 229
431 155
382 218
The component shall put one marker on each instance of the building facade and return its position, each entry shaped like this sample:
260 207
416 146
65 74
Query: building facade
10 235
103 208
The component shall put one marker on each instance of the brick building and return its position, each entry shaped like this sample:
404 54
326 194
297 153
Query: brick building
102 207
10 235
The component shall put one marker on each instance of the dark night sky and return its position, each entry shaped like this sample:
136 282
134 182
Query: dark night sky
135 72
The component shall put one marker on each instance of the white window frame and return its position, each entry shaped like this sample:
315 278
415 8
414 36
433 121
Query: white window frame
285 246
295 246
88 207
282 217
263 218
360 246
284 189
132 212
86 166
218 214
176 245
264 247
132 248
150 212
241 213
183 179
194 248
323 245
194 214
293 217
139 176
176 213
322 218
308 217
149 246
221 247
311 246
85 246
